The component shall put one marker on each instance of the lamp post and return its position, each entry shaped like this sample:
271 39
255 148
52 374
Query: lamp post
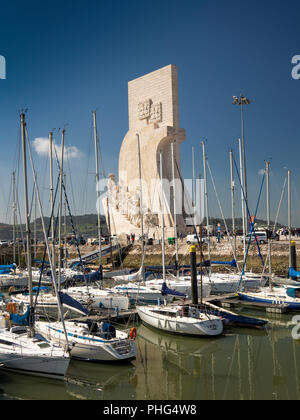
242 101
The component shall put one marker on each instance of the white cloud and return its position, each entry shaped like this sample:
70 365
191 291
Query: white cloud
41 146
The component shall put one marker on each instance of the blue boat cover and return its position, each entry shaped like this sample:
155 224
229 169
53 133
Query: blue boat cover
293 292
8 267
232 263
294 273
166 291
69 301
22 320
88 278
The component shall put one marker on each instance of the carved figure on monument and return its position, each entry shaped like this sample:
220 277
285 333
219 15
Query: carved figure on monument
154 117
112 190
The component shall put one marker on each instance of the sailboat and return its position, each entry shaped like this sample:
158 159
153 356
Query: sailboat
94 296
179 319
22 349
92 341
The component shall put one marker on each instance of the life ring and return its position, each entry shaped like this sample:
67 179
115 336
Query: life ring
11 308
132 333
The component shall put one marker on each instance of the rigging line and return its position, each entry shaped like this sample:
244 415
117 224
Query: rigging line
45 247
251 232
247 208
8 205
21 230
189 209
74 232
280 203
71 185
224 221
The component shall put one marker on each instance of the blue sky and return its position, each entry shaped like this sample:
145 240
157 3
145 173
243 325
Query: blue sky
65 59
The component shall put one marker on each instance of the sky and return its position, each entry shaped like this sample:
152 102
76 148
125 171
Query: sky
66 59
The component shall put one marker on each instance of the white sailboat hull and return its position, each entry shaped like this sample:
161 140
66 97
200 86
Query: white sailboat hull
32 356
181 286
46 307
98 298
13 281
35 366
178 325
92 349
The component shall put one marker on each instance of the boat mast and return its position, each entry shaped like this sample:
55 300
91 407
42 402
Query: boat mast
52 203
14 214
28 238
34 226
242 197
174 205
60 209
162 217
141 207
98 192
201 240
65 228
206 200
269 224
233 204
57 293
194 189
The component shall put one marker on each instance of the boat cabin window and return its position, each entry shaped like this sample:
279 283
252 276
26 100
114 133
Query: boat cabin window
165 313
6 343
44 345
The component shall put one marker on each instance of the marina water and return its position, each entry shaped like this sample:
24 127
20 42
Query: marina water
243 364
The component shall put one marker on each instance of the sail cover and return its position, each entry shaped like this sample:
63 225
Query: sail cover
68 301
5 271
89 278
293 292
294 273
8 267
231 263
165 291
22 320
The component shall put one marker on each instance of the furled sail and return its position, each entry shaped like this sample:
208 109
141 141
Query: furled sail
165 291
22 320
68 301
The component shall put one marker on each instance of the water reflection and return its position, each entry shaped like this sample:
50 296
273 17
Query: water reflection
243 364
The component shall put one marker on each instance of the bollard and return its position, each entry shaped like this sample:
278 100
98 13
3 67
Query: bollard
293 257
194 282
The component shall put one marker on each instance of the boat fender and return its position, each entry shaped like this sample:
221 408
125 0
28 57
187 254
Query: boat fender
11 308
11 289
133 333
100 305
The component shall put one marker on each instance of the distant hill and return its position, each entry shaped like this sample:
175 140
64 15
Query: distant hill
87 226
84 225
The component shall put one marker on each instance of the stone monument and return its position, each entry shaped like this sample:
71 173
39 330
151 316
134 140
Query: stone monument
154 117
